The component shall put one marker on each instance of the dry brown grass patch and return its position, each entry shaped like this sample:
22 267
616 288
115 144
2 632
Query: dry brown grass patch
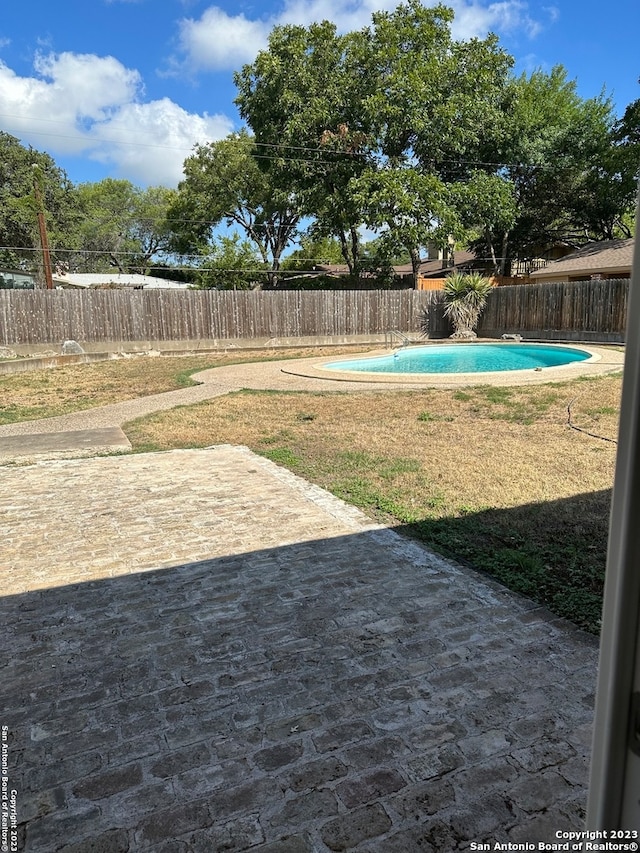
60 390
472 451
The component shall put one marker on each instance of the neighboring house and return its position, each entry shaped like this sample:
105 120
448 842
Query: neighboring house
603 260
437 267
433 271
16 280
121 281
430 269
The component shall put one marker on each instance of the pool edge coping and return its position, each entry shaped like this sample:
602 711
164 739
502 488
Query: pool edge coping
603 359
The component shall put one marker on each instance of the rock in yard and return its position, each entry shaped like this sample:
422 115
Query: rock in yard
71 348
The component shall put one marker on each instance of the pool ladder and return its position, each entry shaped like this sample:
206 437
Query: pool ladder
390 334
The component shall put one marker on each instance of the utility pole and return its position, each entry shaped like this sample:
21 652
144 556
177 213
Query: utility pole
42 227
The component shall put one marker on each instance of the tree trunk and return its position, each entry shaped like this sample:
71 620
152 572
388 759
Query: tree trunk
414 254
494 261
355 254
503 259
344 248
115 260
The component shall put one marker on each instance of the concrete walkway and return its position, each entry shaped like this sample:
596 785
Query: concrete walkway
206 653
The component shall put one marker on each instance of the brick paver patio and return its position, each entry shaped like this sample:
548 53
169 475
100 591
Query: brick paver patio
205 653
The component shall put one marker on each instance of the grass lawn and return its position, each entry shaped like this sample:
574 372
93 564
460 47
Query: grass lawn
48 393
495 477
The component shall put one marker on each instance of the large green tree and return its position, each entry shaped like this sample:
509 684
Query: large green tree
20 168
302 99
122 226
370 128
229 182
403 130
555 151
437 107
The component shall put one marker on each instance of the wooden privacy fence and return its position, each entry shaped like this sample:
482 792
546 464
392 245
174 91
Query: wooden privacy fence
430 283
41 316
594 310
583 310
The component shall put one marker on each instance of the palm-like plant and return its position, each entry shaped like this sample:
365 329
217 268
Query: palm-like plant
465 295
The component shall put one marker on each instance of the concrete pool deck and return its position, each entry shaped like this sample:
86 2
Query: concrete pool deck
602 360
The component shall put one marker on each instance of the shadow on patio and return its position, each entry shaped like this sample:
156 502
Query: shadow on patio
346 693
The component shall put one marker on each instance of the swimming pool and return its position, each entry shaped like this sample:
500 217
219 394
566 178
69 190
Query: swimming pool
465 358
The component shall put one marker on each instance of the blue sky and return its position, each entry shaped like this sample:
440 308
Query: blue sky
125 88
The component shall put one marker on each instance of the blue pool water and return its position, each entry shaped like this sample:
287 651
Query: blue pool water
465 358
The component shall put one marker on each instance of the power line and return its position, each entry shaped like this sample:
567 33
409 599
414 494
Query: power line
118 252
244 141
277 146
151 262
440 161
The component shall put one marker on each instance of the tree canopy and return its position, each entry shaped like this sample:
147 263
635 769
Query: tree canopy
558 159
122 226
91 227
19 168
375 144
371 128
401 129
226 182
230 263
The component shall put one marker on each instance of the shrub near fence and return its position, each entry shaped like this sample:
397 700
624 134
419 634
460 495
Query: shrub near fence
594 310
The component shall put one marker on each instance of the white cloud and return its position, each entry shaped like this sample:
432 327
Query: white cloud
164 134
510 16
85 104
346 15
218 40
83 85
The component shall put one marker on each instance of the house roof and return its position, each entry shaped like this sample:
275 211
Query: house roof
608 256
434 267
117 280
